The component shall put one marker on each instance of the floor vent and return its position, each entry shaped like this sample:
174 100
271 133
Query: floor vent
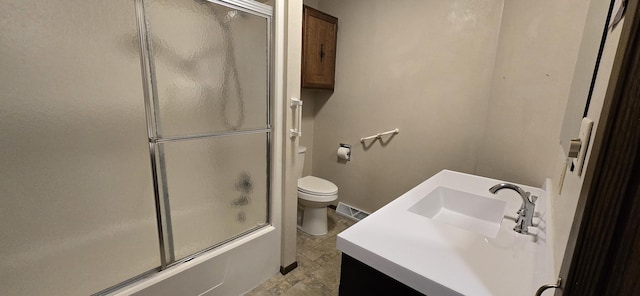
351 212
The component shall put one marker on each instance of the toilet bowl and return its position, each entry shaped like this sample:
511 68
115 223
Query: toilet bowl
314 195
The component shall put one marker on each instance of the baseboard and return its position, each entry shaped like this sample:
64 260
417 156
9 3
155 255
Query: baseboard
285 270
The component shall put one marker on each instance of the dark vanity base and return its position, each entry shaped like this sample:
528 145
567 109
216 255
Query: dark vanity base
357 278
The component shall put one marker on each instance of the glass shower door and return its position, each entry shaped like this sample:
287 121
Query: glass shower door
77 186
76 193
210 77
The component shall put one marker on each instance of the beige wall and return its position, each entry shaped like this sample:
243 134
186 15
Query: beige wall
424 67
397 67
308 126
537 52
565 202
312 3
454 110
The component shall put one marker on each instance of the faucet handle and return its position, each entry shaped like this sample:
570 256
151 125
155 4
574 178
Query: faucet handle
521 226
529 197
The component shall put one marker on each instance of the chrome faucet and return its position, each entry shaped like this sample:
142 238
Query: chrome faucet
525 213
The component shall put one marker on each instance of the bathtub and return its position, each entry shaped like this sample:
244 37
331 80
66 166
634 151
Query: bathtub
231 269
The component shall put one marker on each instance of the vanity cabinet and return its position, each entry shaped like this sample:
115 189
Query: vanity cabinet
319 36
357 278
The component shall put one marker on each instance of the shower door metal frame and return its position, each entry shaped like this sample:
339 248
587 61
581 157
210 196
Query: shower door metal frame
167 257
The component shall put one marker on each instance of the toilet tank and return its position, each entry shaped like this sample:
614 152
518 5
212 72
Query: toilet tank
300 161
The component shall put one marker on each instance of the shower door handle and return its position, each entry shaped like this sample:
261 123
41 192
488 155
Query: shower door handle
296 132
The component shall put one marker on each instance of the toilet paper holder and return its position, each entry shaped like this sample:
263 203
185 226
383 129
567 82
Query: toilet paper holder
341 151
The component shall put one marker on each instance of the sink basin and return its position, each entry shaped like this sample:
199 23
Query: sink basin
479 214
448 236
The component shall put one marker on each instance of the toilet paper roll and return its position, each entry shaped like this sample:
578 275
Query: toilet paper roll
344 153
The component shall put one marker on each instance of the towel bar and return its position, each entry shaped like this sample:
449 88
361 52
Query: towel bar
379 135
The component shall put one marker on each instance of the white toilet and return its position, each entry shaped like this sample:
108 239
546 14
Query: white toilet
314 195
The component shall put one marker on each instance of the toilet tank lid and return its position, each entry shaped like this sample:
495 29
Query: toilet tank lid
317 185
302 149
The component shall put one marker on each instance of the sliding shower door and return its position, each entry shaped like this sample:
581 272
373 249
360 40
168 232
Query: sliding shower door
77 202
133 134
209 72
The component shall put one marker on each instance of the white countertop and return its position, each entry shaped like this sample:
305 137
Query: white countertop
435 258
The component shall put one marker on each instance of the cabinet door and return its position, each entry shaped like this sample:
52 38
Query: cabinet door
318 49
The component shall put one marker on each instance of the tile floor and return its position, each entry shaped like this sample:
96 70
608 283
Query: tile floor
318 271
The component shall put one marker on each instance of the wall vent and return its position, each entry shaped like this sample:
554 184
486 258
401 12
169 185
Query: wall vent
351 212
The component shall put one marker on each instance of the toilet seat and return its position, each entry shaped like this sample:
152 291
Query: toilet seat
316 186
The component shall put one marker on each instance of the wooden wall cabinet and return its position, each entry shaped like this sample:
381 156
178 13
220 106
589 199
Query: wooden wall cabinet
319 36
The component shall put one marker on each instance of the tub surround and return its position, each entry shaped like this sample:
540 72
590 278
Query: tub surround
436 258
222 271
